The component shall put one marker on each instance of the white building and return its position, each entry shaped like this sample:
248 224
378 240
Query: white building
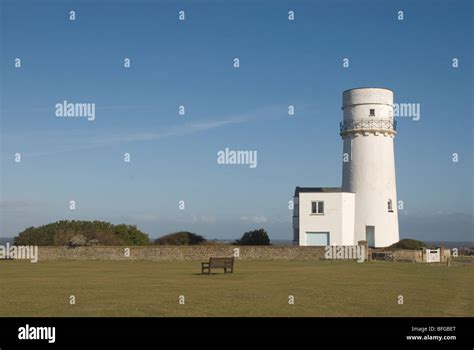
365 207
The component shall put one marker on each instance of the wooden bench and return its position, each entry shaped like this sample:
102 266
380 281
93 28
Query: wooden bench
218 263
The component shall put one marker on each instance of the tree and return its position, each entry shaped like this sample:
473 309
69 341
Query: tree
255 237
180 238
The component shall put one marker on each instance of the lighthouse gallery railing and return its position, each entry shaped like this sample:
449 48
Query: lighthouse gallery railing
368 124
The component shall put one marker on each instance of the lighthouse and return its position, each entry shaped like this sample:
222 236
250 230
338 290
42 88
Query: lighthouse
365 207
368 131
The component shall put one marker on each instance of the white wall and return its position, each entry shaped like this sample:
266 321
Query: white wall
338 218
348 215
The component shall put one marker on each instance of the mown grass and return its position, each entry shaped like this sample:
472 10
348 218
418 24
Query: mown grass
257 288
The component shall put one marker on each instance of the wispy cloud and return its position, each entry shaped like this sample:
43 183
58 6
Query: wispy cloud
13 204
175 130
99 107
20 205
204 219
184 218
254 219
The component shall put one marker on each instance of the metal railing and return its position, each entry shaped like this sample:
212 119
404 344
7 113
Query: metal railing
368 124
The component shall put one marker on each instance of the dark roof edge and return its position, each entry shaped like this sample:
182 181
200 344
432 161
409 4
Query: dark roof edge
299 190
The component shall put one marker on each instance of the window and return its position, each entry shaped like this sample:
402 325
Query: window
390 206
317 207
371 112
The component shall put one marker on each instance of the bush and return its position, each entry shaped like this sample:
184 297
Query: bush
409 244
255 237
93 242
94 233
35 236
131 235
180 238
77 240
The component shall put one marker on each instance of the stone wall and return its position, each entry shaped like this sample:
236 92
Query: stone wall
164 253
418 255
201 252
408 255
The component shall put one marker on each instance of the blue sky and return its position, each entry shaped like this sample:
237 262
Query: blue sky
189 63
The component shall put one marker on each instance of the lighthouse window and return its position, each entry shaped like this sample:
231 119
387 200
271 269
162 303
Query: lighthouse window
390 206
371 112
317 207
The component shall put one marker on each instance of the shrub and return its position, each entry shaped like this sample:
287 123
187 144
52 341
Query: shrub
129 234
180 238
255 237
409 244
33 236
93 242
77 240
98 232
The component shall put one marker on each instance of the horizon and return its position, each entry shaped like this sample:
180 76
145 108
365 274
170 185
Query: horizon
174 181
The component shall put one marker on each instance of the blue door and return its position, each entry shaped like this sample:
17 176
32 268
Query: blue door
317 238
370 235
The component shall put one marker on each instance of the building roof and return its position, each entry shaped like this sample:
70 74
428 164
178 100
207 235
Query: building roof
299 190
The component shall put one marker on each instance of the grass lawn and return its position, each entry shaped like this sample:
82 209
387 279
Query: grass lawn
257 288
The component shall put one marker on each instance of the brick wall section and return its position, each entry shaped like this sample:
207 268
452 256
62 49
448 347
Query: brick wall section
169 253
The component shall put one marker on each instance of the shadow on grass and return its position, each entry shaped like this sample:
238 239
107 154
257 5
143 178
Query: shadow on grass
212 274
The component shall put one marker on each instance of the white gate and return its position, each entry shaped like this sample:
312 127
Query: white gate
433 255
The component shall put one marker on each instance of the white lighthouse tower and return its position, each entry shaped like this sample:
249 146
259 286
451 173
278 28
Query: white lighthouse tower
365 207
368 130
